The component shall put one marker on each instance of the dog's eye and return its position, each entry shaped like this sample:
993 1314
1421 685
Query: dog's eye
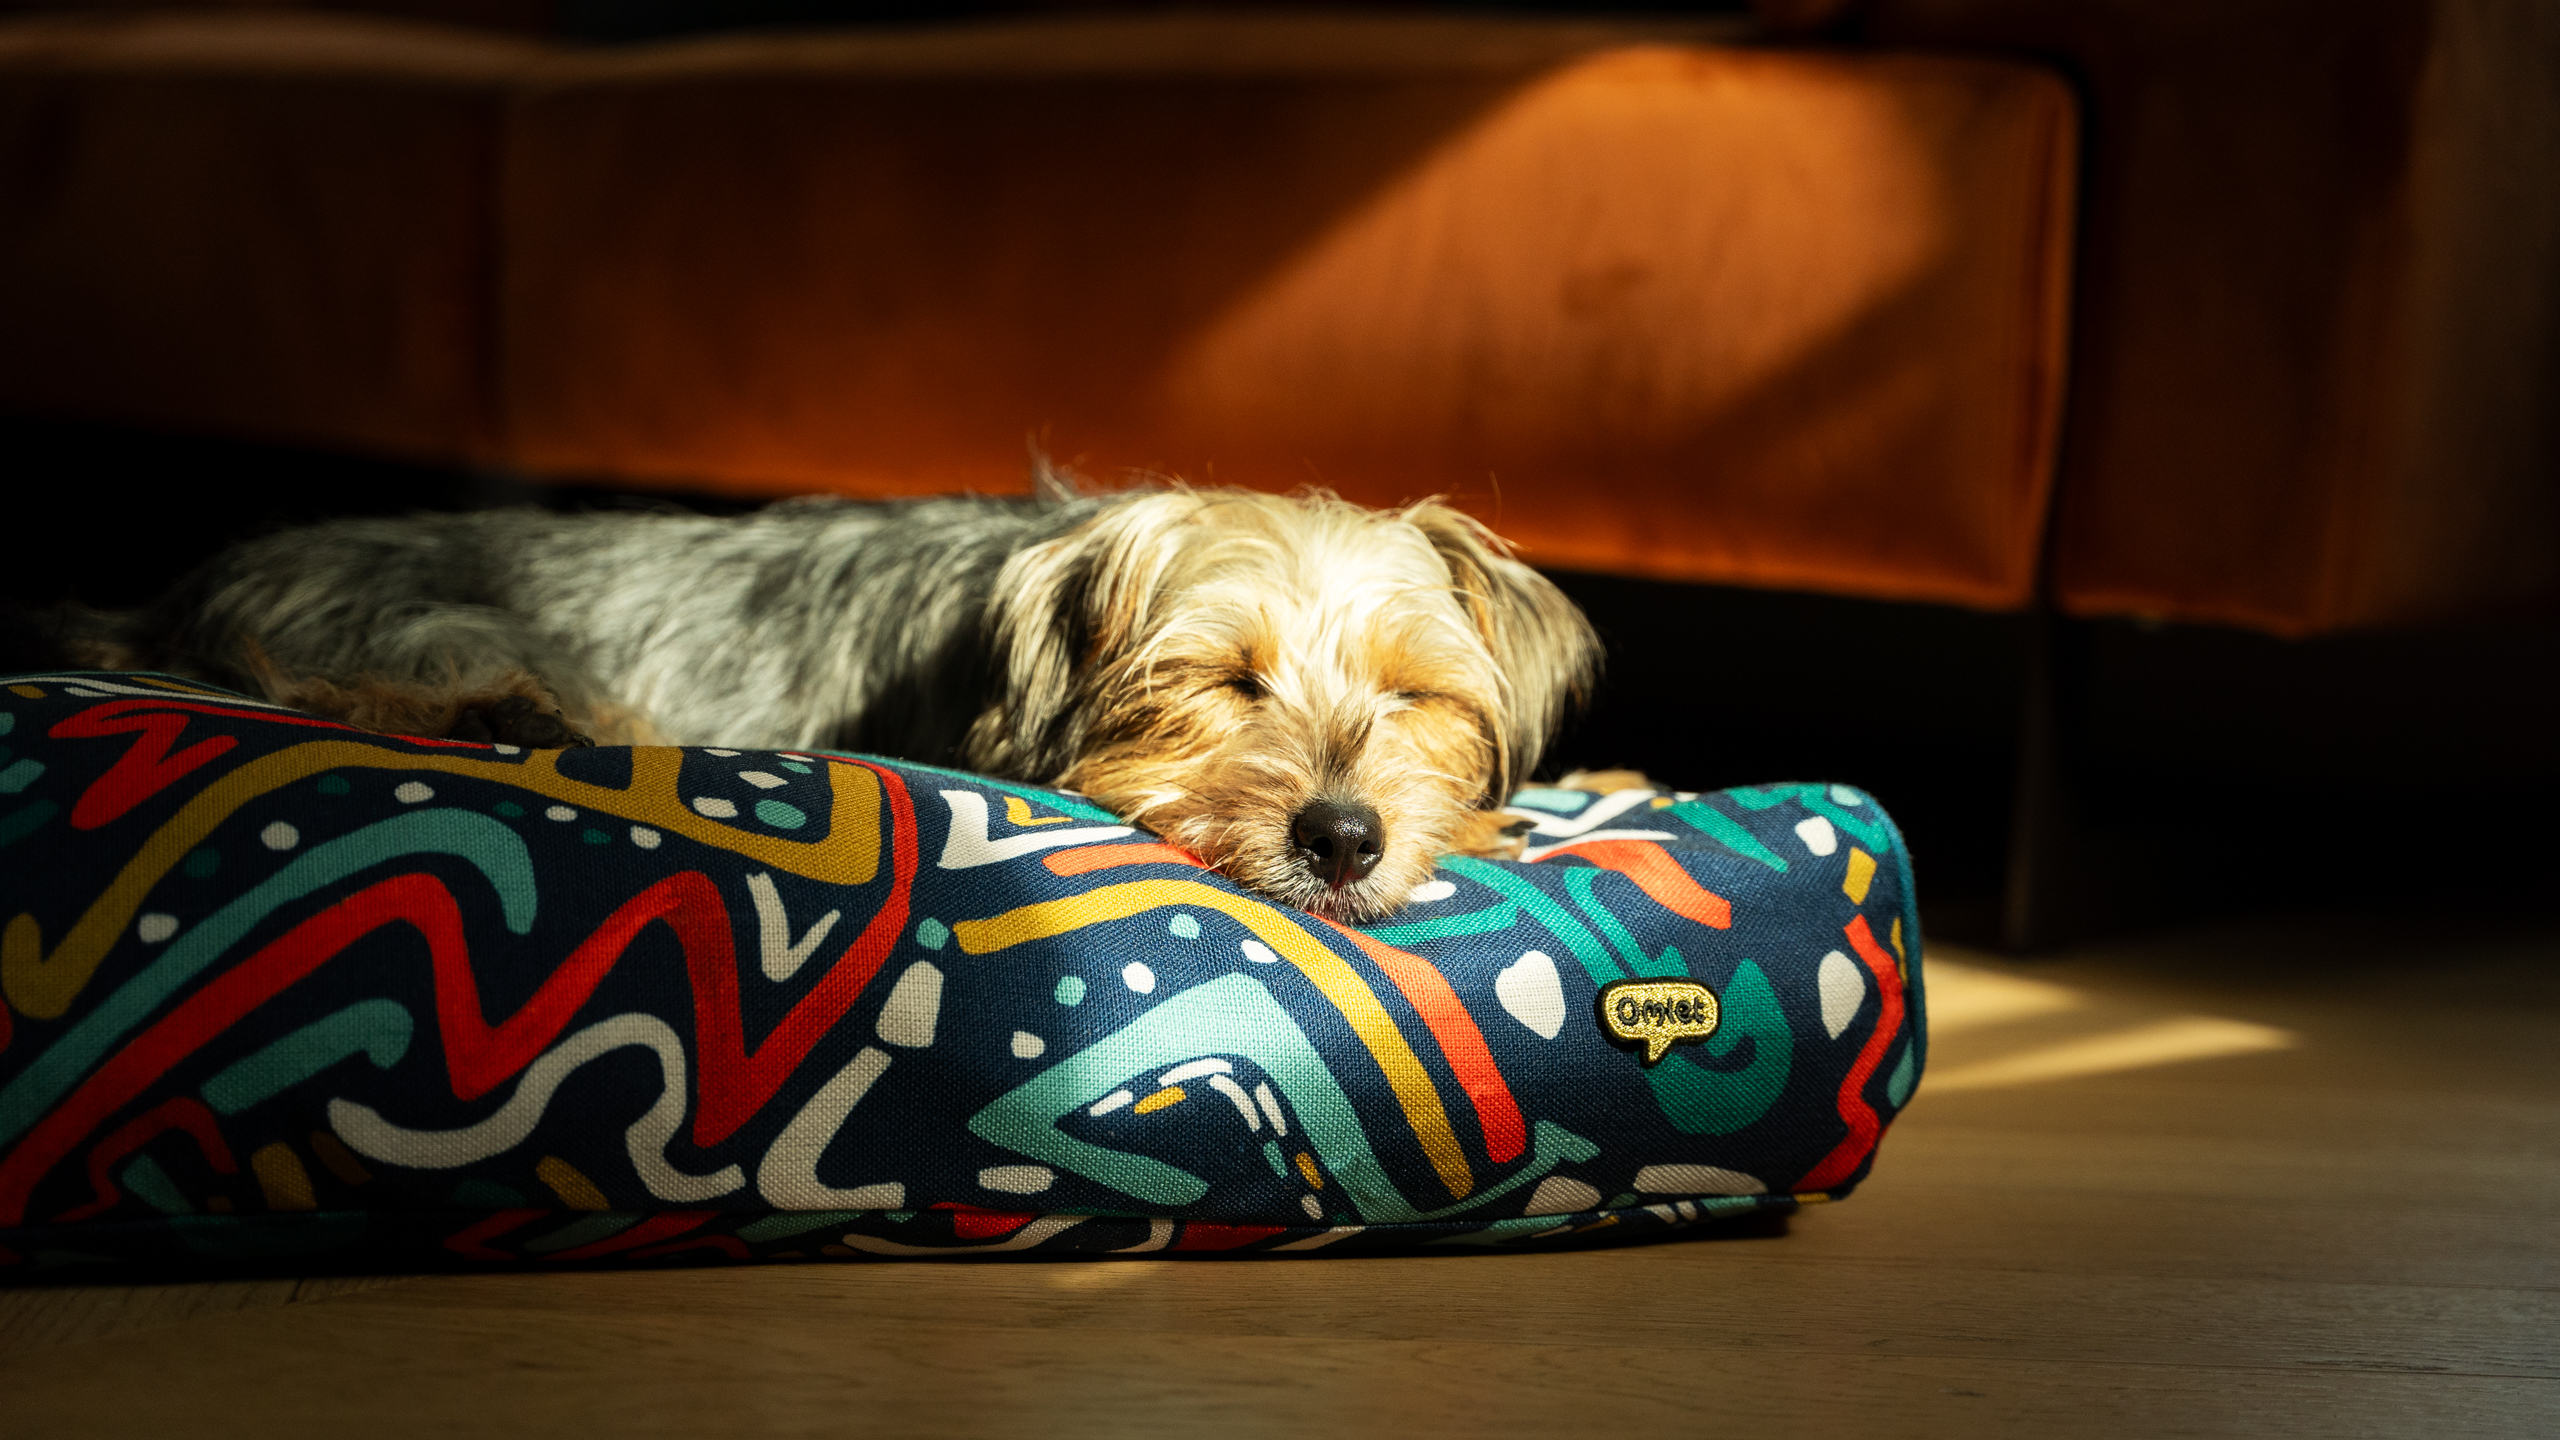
1245 684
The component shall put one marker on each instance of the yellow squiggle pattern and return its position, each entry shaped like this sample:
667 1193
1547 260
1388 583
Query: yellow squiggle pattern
1333 978
43 987
1018 810
158 682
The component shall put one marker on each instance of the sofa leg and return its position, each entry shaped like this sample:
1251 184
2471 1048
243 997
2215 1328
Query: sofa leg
2035 908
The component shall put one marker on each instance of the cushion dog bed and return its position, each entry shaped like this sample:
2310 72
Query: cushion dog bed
283 992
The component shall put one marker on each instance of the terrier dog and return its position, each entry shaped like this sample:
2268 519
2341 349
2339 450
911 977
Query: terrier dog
1315 698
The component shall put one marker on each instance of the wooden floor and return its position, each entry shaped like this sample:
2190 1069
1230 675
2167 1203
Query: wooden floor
2277 1178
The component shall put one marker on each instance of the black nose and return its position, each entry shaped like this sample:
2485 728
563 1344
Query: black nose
1339 840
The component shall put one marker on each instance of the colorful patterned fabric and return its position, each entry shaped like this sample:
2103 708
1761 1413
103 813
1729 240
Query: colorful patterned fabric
286 992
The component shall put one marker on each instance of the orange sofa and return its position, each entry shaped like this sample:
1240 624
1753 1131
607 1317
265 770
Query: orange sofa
253 223
1661 300
1654 302
2316 374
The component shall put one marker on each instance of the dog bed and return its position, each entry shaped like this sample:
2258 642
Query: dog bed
280 992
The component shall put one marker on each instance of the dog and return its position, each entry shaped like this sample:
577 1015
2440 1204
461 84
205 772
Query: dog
1315 698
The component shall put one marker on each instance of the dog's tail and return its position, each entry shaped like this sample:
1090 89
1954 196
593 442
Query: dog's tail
65 636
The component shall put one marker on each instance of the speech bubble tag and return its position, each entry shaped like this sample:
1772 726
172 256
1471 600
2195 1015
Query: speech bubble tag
1657 1014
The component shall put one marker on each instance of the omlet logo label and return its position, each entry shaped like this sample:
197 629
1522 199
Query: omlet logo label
1657 1014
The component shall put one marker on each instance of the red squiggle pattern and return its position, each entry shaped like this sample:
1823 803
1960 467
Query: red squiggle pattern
420 900
1864 1128
969 1222
1506 1134
471 1242
147 767
179 1112
659 1227
1085 859
733 1083
1657 875
478 1056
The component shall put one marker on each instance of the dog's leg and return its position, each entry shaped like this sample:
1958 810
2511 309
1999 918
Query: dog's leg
1491 835
516 708
1607 782
1500 835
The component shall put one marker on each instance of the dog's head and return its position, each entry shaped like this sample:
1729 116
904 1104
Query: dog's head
1316 698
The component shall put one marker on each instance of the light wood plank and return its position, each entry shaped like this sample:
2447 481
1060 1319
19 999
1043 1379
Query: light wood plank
2482 1179
1689 1295
2286 1236
841 1369
43 1316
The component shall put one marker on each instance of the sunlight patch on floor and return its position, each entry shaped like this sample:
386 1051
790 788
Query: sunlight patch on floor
1967 999
1097 1274
2164 1042
1964 997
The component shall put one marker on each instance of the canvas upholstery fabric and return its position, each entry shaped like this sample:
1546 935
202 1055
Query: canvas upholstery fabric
2316 329
271 225
1648 303
283 992
1654 307
1656 304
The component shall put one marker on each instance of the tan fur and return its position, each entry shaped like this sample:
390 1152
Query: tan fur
1607 782
1206 664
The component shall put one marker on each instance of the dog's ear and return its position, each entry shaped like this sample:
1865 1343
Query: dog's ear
1061 613
1545 651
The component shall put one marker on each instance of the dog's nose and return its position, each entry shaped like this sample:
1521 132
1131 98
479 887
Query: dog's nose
1339 840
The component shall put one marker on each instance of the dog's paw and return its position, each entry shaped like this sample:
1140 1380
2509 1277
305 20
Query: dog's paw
1606 782
1491 835
515 720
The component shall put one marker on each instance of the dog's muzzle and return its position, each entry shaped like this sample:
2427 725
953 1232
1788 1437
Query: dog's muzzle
1339 841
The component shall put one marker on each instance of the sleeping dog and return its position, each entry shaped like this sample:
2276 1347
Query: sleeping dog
1314 697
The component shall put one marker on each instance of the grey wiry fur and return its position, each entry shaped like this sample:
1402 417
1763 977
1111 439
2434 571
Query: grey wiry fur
809 623
1207 663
